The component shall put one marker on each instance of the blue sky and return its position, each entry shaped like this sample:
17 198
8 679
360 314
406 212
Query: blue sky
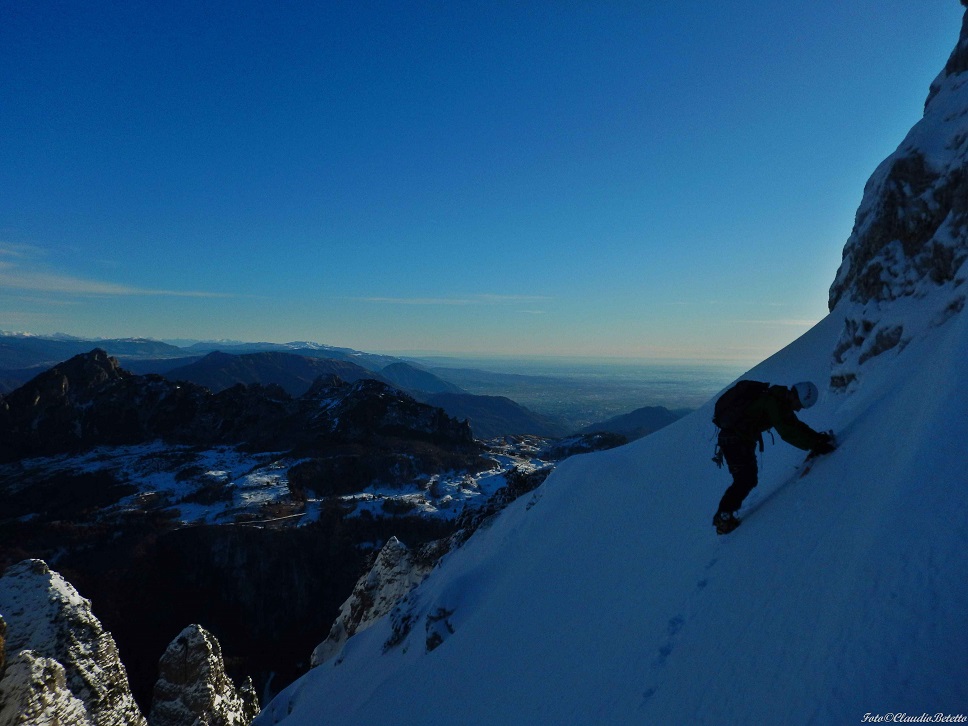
636 179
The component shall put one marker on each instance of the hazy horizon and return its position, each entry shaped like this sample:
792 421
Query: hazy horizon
573 390
631 180
437 357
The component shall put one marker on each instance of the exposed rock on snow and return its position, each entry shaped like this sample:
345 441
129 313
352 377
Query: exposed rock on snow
910 236
193 688
396 571
61 650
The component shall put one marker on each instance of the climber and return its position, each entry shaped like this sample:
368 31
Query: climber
743 413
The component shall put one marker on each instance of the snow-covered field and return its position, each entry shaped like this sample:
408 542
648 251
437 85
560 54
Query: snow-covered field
226 485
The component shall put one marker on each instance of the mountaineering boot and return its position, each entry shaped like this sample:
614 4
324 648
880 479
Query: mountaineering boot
725 522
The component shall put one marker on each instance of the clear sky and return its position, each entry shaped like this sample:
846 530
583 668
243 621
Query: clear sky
654 178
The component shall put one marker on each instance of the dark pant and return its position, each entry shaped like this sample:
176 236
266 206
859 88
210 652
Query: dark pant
740 455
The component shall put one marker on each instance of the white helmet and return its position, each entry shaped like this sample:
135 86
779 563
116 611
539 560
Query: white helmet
807 393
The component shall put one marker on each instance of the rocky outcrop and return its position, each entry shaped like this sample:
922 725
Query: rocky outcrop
910 227
365 409
910 236
34 691
395 572
193 688
87 401
63 666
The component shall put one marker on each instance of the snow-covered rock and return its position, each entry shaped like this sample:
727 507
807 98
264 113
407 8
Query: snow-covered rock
910 236
53 637
193 689
395 572
34 691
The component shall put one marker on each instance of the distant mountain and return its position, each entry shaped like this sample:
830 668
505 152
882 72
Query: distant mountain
23 356
491 416
218 371
411 378
640 422
19 351
90 401
371 361
159 366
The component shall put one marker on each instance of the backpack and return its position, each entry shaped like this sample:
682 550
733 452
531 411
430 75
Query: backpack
730 410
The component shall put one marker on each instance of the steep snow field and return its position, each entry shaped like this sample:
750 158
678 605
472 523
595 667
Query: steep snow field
607 597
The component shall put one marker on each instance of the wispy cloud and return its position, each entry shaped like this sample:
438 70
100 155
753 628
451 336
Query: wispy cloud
418 300
469 300
20 270
18 251
14 319
18 279
804 323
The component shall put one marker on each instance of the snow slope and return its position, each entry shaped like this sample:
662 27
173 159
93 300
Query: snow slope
608 598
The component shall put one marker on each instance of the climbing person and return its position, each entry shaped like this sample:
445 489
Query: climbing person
743 413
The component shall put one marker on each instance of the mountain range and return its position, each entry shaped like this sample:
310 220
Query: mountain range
294 367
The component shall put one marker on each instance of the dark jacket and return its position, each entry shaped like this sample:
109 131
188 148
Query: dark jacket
773 410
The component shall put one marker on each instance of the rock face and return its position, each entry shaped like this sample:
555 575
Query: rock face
910 226
63 667
34 691
193 688
396 571
910 236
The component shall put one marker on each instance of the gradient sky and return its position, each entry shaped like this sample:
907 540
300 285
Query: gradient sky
657 178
